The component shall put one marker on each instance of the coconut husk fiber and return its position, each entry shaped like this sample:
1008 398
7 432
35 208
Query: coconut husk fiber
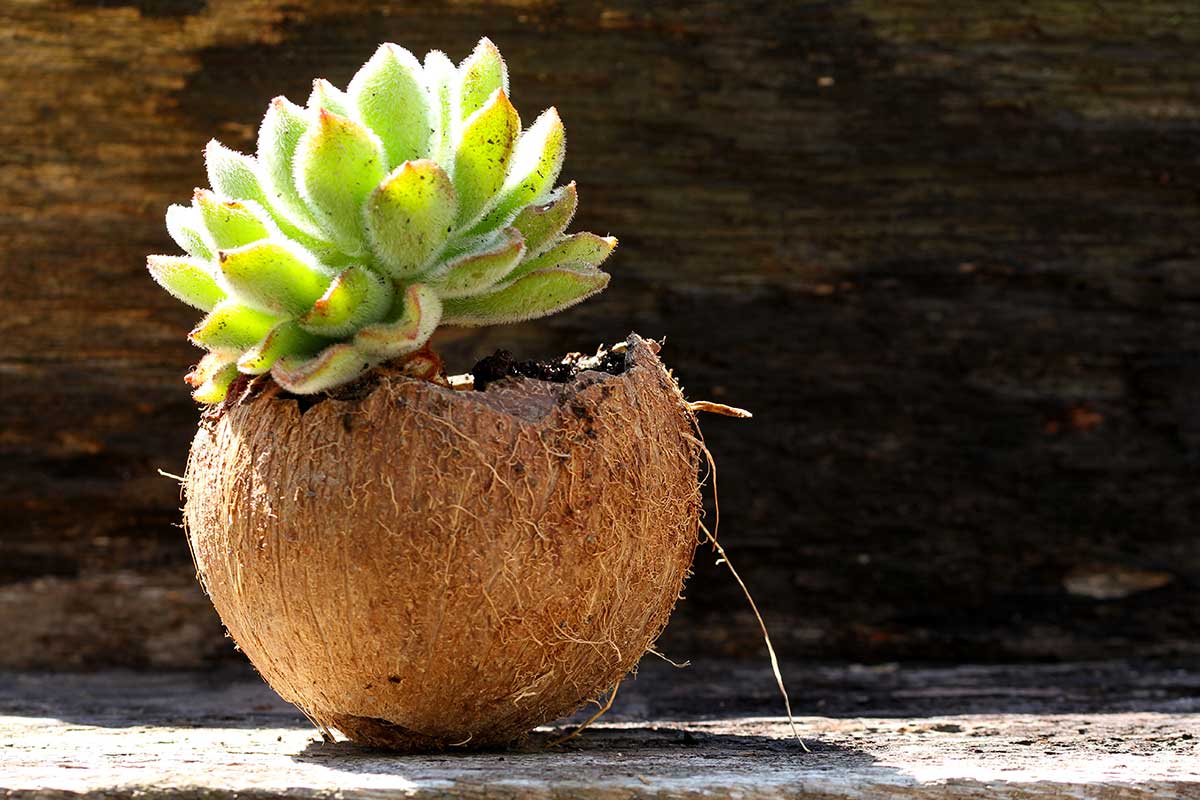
422 568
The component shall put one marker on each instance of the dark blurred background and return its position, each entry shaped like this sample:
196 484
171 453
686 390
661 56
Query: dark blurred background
946 251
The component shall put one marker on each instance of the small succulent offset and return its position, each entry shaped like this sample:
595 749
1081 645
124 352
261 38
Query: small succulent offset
372 216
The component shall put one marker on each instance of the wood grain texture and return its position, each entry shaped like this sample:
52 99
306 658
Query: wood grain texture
945 252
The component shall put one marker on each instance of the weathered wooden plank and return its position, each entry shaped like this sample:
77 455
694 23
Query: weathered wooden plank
946 252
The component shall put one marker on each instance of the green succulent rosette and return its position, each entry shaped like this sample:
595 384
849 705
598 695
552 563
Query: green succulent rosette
370 217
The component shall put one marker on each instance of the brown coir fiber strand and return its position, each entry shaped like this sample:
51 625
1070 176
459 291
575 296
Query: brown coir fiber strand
423 568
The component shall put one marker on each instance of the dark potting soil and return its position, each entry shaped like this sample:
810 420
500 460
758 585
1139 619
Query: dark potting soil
502 364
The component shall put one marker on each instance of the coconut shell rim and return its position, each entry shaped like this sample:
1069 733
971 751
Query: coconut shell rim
639 353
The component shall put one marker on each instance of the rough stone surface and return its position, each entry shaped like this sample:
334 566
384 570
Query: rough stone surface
945 251
1111 732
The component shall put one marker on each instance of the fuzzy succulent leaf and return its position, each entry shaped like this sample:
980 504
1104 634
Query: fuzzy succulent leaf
187 229
542 224
410 215
392 80
282 127
440 79
416 315
231 223
338 163
537 294
209 365
480 74
371 216
355 298
187 279
481 160
336 364
578 248
273 277
212 376
536 162
326 97
232 326
232 174
477 272
285 339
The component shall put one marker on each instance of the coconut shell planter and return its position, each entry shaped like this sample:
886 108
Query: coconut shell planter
416 561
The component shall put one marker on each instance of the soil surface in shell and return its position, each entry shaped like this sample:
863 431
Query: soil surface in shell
486 372
502 364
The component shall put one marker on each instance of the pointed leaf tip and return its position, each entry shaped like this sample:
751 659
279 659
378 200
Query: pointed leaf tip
187 229
209 364
480 74
326 98
233 174
187 280
211 377
578 248
232 223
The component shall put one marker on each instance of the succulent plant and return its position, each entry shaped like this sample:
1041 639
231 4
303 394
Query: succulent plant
370 217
